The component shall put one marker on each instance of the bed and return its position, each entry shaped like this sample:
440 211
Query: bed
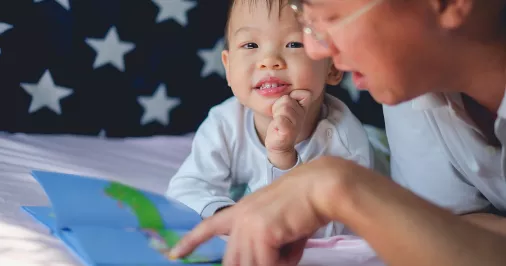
146 163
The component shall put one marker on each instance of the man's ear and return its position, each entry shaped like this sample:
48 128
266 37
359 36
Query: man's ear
452 13
224 60
334 76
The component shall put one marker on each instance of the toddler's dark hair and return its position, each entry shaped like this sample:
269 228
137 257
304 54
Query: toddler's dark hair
252 3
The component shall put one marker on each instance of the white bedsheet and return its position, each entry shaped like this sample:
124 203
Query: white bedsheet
147 163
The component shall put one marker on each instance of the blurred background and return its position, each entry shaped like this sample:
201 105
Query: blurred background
120 68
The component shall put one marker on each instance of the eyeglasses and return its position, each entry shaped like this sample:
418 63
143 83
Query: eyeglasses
321 37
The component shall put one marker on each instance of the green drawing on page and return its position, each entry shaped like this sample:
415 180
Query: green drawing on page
146 212
149 218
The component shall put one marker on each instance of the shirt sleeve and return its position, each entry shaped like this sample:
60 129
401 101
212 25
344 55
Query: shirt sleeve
203 180
419 162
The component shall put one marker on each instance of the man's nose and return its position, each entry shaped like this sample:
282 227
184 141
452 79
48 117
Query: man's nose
317 50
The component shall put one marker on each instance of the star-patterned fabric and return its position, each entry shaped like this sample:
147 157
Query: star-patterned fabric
119 68
110 50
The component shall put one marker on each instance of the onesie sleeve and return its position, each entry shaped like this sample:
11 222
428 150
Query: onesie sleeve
203 180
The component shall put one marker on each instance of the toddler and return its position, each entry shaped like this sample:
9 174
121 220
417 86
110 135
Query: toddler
280 115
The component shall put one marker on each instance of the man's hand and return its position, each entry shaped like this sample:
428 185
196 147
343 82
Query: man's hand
488 221
288 114
270 227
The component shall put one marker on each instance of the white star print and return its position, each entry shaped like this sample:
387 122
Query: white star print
173 9
110 50
46 94
212 59
102 134
348 85
4 27
63 3
158 106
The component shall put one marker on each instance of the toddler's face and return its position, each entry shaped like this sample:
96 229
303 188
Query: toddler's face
266 57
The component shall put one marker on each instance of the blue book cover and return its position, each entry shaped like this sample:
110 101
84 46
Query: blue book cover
108 223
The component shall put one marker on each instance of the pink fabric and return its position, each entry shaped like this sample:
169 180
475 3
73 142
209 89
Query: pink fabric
327 243
340 250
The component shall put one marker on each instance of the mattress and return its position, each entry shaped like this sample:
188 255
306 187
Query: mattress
147 163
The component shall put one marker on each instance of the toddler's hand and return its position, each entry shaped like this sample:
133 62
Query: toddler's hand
288 117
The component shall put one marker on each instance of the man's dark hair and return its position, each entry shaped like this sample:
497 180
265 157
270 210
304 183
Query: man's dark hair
503 14
252 3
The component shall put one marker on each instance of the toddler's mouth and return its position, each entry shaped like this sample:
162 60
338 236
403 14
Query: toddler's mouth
272 87
269 86
271 83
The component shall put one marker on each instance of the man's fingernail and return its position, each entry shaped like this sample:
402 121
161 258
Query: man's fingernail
174 253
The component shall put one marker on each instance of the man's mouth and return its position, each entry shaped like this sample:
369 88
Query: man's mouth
359 80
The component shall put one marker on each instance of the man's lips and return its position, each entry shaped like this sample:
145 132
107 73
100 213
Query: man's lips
359 80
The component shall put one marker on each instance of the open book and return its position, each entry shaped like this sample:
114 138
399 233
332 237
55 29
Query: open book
108 223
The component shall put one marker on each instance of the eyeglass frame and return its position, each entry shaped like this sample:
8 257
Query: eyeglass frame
321 37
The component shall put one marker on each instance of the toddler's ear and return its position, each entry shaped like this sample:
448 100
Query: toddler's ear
224 60
334 76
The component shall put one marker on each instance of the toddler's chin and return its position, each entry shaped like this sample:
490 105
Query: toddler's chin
264 112
262 109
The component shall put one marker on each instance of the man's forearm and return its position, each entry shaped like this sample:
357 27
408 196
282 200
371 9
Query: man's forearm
405 230
488 221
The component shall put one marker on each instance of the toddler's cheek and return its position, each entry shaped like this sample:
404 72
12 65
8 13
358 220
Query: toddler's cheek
310 81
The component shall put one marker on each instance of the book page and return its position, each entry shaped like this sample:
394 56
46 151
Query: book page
111 246
79 200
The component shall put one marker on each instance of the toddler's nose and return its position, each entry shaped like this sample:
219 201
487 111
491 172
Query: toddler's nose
272 62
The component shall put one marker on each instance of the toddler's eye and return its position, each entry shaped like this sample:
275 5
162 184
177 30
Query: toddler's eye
295 45
250 45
